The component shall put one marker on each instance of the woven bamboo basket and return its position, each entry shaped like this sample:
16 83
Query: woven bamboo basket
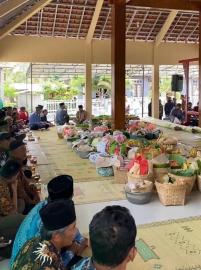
189 181
120 175
171 194
159 173
138 178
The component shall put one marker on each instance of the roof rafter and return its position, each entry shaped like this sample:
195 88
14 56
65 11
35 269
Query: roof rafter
22 18
94 21
11 5
166 26
193 5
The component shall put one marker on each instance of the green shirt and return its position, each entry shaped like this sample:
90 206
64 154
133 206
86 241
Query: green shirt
38 254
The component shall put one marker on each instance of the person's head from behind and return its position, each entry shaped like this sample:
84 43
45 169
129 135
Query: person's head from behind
9 172
62 105
18 151
80 107
14 110
9 111
59 223
38 110
169 99
5 140
2 114
60 188
22 109
189 105
112 234
178 106
45 112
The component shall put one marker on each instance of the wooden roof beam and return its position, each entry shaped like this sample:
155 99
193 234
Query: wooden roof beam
193 5
23 18
165 28
11 5
94 21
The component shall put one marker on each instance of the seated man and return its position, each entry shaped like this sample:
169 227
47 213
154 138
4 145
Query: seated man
5 140
81 115
59 230
177 115
27 194
62 116
44 117
112 234
10 219
59 188
23 115
35 122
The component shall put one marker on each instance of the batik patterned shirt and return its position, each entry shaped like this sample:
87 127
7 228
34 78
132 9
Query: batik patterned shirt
38 254
6 203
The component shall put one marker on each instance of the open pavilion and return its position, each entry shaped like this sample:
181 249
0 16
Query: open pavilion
113 33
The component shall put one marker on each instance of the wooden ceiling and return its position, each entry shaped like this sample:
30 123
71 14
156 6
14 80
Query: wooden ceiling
72 19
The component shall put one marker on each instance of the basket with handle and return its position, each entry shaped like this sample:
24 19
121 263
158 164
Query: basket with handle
171 194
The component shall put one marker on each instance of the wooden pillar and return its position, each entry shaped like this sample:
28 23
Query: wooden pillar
88 82
118 63
155 86
199 69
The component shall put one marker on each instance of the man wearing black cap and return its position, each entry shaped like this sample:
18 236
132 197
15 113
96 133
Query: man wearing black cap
27 194
59 188
112 234
10 219
62 116
59 229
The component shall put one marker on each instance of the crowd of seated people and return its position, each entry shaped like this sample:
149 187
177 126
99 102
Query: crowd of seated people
43 234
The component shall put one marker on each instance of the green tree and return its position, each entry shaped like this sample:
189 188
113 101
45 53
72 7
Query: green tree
165 85
10 92
57 89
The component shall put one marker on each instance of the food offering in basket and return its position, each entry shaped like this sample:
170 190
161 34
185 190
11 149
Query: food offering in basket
171 192
168 144
139 192
138 170
84 151
70 132
161 167
104 165
120 170
118 145
177 161
83 126
185 176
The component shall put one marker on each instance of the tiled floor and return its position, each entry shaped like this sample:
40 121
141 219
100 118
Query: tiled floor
147 213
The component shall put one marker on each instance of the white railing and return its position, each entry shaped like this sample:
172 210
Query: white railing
99 107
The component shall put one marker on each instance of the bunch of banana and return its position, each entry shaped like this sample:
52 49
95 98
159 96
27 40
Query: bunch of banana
132 143
185 166
193 152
